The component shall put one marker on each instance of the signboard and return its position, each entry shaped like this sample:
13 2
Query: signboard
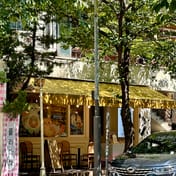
10 157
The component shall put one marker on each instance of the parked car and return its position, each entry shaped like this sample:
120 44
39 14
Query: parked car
154 156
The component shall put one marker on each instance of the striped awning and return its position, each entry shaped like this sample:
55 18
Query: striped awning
78 92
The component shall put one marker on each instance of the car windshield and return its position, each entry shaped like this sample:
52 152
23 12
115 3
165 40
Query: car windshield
157 143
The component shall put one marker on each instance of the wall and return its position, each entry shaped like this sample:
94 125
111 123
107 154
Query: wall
139 74
76 141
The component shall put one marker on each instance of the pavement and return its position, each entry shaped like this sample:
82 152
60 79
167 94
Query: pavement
78 173
81 172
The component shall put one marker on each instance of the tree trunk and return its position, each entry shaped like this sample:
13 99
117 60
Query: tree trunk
125 113
123 67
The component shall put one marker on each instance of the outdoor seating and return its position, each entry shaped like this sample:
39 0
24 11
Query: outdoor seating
28 159
55 154
69 159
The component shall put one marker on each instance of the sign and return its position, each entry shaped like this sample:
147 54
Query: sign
10 148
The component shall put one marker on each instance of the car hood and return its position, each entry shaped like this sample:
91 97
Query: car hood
143 160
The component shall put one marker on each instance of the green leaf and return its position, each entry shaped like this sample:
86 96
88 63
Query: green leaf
172 6
161 4
3 78
17 106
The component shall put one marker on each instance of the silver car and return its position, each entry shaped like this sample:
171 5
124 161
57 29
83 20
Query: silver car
154 156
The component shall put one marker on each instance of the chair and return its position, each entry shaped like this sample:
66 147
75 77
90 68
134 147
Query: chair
35 158
68 158
60 145
28 159
88 158
23 156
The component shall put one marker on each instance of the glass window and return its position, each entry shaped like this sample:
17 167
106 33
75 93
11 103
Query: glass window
55 121
157 143
76 120
120 132
16 25
56 30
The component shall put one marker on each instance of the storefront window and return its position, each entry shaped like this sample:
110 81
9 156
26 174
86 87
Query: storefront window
54 118
30 122
76 120
59 122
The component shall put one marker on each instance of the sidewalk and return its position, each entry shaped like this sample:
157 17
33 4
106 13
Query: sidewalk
89 172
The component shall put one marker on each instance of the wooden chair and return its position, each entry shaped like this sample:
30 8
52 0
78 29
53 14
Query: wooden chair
69 159
28 159
24 161
35 158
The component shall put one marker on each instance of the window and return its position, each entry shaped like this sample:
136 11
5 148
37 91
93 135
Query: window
55 121
120 132
16 25
76 120
55 30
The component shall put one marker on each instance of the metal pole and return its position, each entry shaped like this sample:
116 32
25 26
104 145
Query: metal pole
42 168
97 119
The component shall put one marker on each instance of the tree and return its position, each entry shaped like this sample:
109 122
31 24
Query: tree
124 25
166 41
127 28
19 30
25 47
167 4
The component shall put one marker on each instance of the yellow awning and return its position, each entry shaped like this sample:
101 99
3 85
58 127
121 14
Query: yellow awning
76 92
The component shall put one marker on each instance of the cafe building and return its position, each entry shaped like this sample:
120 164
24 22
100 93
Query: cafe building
68 112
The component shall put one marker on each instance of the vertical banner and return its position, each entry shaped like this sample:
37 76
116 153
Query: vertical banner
2 100
10 148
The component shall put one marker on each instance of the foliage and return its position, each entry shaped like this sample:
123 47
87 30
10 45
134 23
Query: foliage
18 49
3 78
127 30
166 47
165 4
17 106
